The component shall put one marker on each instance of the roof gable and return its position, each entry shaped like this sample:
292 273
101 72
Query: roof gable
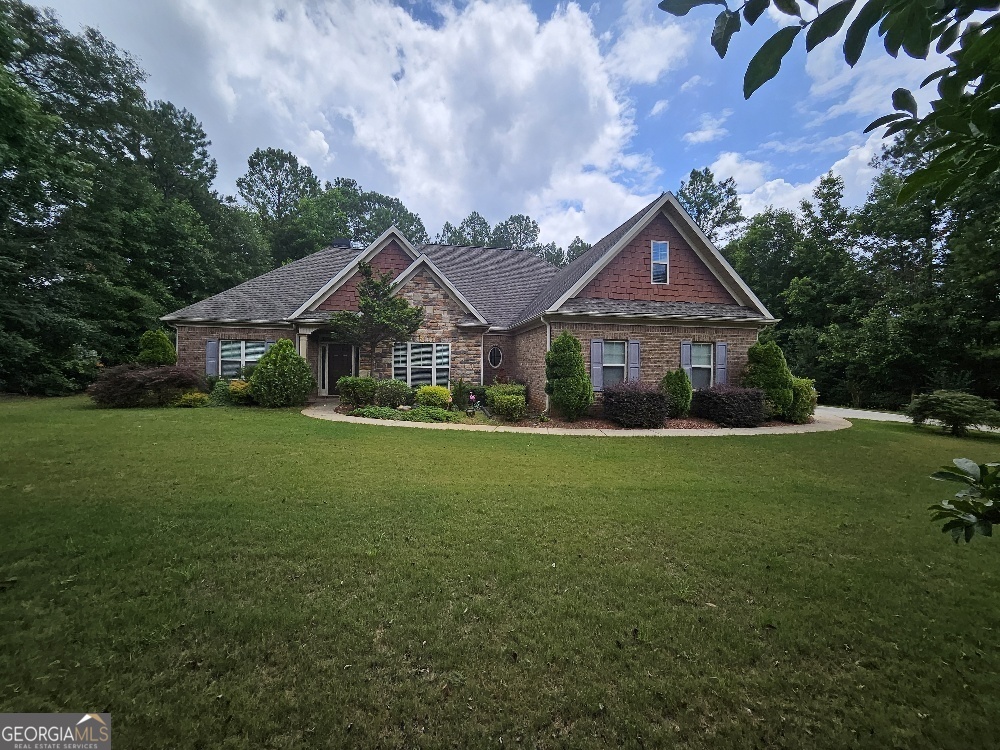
426 264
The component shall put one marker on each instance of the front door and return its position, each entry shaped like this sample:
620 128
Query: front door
340 362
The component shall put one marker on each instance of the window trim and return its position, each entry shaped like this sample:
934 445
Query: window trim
489 354
711 361
653 263
434 368
243 353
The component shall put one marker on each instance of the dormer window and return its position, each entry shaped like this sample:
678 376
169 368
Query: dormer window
660 255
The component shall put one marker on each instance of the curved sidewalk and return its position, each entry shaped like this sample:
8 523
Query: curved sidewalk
823 423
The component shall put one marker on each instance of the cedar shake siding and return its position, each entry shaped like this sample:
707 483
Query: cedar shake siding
628 275
390 259
192 340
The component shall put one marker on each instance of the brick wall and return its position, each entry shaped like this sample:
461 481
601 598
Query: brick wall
441 315
529 368
627 276
390 259
508 346
191 340
660 346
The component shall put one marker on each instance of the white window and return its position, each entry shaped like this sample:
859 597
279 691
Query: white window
419 364
235 355
701 366
614 361
660 256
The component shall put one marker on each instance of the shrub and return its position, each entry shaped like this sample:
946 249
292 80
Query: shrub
729 406
219 394
356 391
417 414
510 407
634 404
566 378
460 391
956 411
768 370
804 398
240 393
976 507
677 386
377 412
505 389
433 395
479 391
282 377
246 372
132 385
392 393
156 348
192 400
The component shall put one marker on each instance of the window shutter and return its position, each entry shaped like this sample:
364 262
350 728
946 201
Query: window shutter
212 357
686 357
720 362
597 364
633 361
268 345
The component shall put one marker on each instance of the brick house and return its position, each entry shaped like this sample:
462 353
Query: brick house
651 296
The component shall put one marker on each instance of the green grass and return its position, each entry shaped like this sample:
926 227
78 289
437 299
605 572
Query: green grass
244 578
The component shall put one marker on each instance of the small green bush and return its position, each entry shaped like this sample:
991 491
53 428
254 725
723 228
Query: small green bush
433 395
510 407
768 370
566 378
460 391
282 377
356 391
192 400
156 348
804 398
219 395
677 386
417 414
377 412
632 404
240 393
392 393
956 411
505 389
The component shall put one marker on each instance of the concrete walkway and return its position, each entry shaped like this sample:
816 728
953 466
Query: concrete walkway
844 413
823 423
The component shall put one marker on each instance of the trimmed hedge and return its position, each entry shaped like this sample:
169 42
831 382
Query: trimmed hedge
389 392
768 370
433 395
729 406
956 411
155 349
634 404
134 385
510 407
804 398
356 391
191 400
566 378
677 386
505 389
282 377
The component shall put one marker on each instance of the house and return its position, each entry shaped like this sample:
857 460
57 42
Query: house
651 296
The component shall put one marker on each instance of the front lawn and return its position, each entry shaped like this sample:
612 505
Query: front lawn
235 578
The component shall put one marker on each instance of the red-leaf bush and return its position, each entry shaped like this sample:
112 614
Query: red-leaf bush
133 385
634 404
729 406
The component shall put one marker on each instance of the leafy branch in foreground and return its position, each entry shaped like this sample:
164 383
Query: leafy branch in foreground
965 112
974 509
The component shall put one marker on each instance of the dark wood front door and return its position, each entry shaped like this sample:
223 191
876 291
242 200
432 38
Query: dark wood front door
340 363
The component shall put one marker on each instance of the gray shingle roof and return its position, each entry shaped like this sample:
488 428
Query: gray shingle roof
273 296
701 310
569 275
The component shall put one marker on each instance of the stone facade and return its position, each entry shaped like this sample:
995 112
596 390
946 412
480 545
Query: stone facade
660 345
191 340
628 275
390 259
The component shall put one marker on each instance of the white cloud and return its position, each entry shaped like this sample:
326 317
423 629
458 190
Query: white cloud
660 106
748 174
491 108
690 83
709 129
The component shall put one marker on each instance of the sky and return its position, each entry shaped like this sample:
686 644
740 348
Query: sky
574 113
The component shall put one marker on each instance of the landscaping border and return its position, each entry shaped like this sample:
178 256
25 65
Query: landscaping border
822 423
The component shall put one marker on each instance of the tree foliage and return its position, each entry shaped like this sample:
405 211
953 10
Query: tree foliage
976 507
566 379
713 205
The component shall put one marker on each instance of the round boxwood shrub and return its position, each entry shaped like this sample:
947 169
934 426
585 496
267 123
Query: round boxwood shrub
510 407
804 398
505 389
132 385
635 404
566 378
433 395
192 400
392 393
156 348
677 386
219 394
356 391
240 393
956 411
282 377
768 370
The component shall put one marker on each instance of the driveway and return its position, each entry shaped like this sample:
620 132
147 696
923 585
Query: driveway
877 416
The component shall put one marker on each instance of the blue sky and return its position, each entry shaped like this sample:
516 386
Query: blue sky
576 113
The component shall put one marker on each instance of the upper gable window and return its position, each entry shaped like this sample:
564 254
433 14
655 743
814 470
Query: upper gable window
660 255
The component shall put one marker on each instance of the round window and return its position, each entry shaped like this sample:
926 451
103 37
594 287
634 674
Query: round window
495 356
